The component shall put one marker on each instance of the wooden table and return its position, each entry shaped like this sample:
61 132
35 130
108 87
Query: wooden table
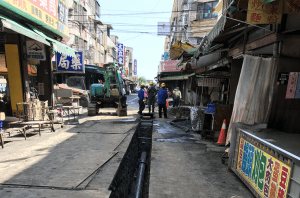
31 123
10 130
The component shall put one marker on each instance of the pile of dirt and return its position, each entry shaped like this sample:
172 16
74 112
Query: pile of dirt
179 112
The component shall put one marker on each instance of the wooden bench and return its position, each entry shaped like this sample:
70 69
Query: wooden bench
10 130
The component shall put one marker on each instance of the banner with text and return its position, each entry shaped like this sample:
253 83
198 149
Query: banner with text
135 67
120 53
53 13
268 175
169 66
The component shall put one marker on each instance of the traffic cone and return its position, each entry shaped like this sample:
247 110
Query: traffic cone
222 136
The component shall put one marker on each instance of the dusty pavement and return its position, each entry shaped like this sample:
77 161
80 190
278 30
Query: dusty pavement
81 159
78 160
182 165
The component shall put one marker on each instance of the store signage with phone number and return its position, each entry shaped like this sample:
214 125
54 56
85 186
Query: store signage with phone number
265 173
53 13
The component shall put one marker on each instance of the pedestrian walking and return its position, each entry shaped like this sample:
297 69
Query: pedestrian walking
162 97
141 95
177 97
146 94
151 97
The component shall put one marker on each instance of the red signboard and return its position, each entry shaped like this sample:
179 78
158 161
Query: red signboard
169 66
49 6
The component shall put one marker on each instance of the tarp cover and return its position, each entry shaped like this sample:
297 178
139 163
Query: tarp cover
252 103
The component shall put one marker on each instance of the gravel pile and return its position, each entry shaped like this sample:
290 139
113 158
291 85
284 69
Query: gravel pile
182 112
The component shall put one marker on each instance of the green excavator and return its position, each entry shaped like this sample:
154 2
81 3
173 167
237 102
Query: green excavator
109 94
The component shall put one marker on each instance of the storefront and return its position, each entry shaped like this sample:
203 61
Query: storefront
29 37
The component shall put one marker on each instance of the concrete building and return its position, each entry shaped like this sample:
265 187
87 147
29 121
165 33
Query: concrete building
128 61
192 20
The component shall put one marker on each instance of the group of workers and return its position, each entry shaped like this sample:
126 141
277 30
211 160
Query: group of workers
163 95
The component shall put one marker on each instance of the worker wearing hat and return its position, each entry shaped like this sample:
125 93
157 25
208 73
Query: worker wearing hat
177 97
162 97
141 95
151 96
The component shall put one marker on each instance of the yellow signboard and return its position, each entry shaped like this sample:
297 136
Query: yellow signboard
260 13
45 11
265 173
291 6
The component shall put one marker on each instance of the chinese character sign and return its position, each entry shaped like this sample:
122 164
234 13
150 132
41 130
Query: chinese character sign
260 13
135 67
51 13
268 175
292 84
70 64
291 6
62 12
35 50
120 53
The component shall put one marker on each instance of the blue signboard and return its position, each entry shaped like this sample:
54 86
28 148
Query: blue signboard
120 53
121 60
70 64
120 47
166 56
135 67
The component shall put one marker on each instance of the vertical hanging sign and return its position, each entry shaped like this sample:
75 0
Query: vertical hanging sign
292 85
135 67
120 53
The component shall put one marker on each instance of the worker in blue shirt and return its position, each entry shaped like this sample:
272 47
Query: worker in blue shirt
141 95
162 97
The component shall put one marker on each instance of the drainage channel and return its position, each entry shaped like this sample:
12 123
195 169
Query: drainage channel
132 177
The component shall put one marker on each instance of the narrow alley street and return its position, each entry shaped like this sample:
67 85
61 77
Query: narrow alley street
81 159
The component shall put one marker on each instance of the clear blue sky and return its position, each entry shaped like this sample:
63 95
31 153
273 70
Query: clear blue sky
147 48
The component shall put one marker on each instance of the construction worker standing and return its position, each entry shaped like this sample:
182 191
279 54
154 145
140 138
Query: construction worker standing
162 97
141 96
151 97
177 97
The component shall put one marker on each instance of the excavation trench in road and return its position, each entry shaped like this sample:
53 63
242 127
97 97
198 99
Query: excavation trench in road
133 175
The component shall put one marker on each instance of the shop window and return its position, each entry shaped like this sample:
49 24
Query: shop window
97 8
208 10
113 53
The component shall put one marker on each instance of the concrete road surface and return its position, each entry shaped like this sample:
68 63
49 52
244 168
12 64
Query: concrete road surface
68 162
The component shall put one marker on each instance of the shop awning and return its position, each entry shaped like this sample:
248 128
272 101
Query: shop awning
94 69
177 49
57 46
12 25
181 77
226 27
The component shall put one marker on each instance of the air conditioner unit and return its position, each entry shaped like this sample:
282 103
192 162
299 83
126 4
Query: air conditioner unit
91 46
